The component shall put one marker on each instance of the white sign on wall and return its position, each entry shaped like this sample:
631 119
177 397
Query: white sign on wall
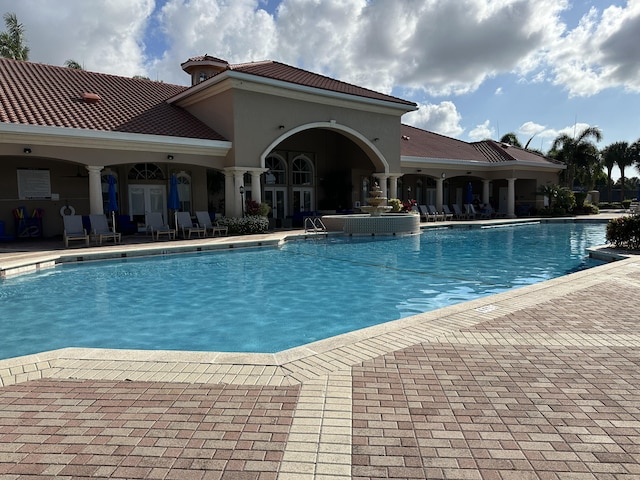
34 183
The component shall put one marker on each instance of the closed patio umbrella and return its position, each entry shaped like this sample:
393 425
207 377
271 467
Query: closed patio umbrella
112 204
469 194
173 203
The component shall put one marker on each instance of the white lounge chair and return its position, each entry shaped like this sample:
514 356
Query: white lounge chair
187 227
448 214
204 220
458 214
74 230
471 211
432 211
100 229
156 226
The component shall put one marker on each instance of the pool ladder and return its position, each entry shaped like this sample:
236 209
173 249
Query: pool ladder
314 225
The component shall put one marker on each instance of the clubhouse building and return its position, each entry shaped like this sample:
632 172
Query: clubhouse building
299 141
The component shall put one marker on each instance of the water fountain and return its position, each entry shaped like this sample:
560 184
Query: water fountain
377 204
376 220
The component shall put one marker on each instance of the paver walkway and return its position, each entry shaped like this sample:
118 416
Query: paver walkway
541 382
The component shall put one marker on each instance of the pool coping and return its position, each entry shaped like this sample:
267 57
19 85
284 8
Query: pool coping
302 363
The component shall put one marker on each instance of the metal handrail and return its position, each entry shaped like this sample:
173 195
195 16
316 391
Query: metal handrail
314 224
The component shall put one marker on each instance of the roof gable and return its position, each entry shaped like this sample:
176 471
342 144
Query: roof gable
46 95
286 73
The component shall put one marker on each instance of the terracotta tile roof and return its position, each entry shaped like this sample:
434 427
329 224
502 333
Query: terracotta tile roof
287 73
497 152
46 95
416 142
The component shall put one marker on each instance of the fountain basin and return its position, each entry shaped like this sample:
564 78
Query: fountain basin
365 224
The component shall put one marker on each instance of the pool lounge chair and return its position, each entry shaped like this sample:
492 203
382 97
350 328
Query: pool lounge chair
471 211
156 226
100 229
422 211
204 220
74 230
448 214
187 227
458 214
432 211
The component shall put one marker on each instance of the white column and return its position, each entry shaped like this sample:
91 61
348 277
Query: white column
439 193
485 191
393 186
229 194
511 198
95 190
256 188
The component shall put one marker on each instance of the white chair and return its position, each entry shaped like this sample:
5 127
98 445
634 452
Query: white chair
74 230
432 211
204 220
156 226
186 225
100 229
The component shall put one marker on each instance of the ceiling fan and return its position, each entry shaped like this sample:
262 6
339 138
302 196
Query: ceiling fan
78 174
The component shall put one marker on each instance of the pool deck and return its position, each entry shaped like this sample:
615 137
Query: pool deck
541 382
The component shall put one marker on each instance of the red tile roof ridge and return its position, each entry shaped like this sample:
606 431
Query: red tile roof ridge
311 79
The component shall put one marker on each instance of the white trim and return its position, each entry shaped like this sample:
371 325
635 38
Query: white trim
331 125
75 137
410 162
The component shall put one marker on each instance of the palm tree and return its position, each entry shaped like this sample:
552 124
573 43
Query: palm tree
12 42
512 139
578 153
609 161
73 64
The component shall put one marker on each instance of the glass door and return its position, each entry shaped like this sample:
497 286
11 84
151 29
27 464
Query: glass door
302 200
276 198
147 198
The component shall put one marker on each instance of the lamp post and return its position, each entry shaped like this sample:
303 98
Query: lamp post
242 198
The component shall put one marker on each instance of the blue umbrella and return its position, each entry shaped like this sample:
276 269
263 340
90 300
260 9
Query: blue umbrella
469 194
112 204
174 199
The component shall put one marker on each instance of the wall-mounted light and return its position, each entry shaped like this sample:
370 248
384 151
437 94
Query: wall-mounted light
419 170
280 127
169 157
26 150
376 139
444 175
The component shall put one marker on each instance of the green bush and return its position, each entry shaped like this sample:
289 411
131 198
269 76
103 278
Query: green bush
245 225
396 203
624 232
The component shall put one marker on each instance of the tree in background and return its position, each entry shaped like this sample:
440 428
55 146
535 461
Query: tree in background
578 153
73 64
12 42
512 139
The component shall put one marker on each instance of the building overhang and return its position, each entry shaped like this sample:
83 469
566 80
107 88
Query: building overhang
34 135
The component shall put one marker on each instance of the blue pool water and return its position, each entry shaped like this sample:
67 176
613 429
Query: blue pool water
266 300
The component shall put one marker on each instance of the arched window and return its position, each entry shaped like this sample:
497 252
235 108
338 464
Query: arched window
277 173
302 171
146 171
184 191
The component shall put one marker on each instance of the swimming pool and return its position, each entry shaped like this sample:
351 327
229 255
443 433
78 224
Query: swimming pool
267 300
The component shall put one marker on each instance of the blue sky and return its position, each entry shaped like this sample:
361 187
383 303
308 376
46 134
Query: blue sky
477 68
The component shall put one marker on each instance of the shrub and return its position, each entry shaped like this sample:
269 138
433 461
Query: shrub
624 232
396 203
245 225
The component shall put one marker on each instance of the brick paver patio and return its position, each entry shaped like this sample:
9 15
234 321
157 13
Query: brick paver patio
539 383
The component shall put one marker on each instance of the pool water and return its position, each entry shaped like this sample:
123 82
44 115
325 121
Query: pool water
267 300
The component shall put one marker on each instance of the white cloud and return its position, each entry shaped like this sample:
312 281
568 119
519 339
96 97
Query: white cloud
481 132
601 52
101 36
498 91
442 118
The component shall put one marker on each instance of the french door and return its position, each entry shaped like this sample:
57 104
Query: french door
276 198
147 199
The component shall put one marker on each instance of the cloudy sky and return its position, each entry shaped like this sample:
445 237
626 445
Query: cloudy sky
477 68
